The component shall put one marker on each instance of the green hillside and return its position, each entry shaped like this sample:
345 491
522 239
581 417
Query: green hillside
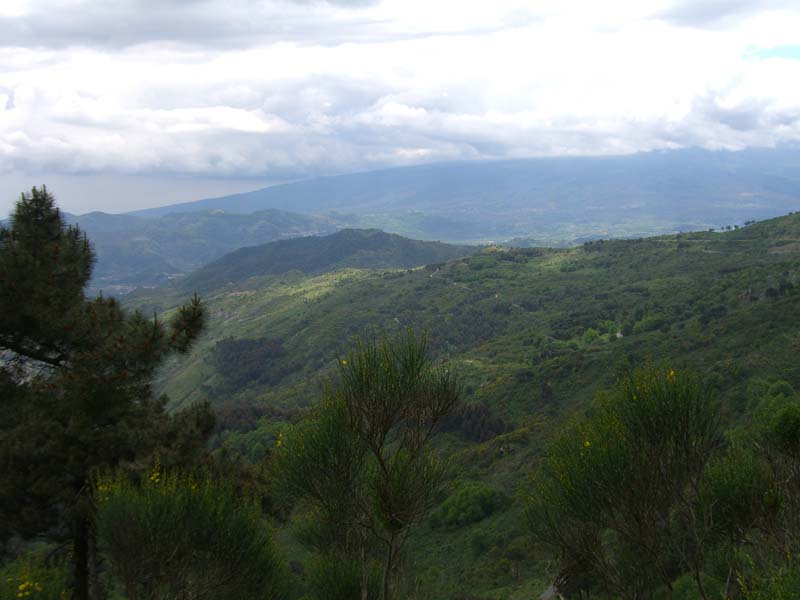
134 251
350 248
535 334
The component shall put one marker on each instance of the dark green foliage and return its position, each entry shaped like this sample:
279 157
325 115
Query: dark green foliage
362 458
783 430
336 576
782 583
652 502
475 422
178 536
470 503
737 494
35 576
76 381
256 361
364 249
611 486
781 388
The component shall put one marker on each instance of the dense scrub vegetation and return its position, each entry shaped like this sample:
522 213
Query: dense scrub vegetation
186 536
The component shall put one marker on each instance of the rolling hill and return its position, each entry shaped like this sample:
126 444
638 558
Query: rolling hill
135 251
349 248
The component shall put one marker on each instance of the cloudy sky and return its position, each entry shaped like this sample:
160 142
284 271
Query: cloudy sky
120 104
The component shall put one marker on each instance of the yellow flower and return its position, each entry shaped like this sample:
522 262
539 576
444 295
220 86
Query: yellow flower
344 362
587 444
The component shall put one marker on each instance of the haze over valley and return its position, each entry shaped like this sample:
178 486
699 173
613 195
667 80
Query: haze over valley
533 202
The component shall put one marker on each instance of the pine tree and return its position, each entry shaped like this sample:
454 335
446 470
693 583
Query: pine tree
75 373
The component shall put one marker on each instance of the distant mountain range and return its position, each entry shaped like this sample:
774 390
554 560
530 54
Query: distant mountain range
544 202
552 199
134 251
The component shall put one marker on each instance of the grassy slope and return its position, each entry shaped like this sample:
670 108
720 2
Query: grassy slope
534 333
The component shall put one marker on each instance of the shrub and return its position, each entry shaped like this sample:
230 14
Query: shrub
31 576
782 583
612 485
781 388
180 536
473 502
334 576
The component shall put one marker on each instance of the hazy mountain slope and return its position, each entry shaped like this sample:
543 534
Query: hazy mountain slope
357 248
555 198
535 333
534 306
134 251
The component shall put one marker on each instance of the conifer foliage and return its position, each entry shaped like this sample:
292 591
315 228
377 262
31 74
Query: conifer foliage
362 460
75 380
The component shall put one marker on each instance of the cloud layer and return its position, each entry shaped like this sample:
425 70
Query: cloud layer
289 89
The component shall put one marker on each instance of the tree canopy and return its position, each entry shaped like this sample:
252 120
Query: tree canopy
75 381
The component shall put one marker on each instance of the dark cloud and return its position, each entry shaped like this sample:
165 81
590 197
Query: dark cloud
714 13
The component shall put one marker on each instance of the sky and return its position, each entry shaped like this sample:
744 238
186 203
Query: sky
124 104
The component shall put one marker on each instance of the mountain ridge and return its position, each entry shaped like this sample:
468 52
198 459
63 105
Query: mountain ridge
507 197
135 251
313 255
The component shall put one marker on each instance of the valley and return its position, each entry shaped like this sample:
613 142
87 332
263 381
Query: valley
535 334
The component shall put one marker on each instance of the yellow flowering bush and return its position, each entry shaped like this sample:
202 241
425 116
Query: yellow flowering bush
609 490
29 576
175 535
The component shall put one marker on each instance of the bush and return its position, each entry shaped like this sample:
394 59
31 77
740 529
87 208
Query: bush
473 502
181 536
781 584
781 389
334 576
737 493
612 486
30 576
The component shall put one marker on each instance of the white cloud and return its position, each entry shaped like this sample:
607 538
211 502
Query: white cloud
282 89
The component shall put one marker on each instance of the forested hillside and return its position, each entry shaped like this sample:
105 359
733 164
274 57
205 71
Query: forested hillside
560 317
350 248
535 334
